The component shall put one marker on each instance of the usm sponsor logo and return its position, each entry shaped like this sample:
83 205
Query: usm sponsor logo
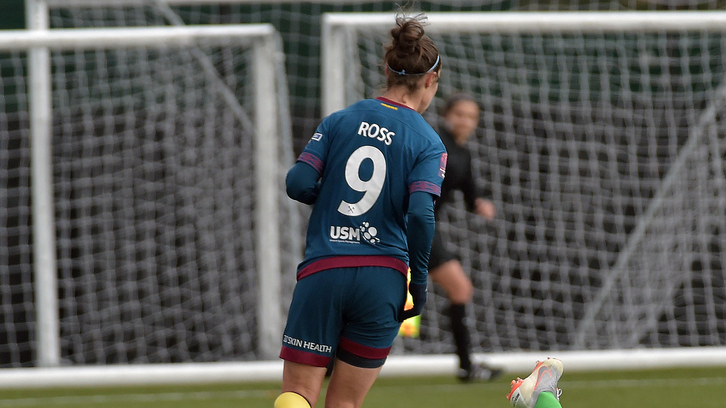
344 234
352 235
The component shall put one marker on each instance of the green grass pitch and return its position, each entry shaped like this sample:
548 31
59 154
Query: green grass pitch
672 388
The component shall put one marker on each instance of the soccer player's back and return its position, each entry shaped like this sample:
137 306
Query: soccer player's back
372 172
371 156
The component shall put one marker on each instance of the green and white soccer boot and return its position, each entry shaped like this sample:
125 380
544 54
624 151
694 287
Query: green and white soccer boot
544 378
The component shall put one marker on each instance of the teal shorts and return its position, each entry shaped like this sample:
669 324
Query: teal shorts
349 311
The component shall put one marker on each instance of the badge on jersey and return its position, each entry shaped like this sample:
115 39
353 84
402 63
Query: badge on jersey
317 136
442 165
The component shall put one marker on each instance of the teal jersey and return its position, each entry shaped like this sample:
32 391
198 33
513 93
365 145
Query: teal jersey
370 156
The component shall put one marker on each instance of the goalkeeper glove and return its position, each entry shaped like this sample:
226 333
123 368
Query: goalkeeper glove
418 295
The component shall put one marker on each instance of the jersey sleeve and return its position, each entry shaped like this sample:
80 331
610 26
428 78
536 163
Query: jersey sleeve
429 172
316 151
421 223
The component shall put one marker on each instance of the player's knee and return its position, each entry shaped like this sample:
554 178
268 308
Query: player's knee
291 400
462 292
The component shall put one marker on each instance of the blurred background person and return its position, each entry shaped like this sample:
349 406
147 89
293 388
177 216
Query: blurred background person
459 121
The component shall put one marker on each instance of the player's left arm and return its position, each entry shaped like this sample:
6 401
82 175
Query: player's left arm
420 223
424 187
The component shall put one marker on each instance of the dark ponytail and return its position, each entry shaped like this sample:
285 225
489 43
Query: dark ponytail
411 53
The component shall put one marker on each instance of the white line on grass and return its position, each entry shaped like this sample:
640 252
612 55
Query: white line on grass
209 395
652 382
100 399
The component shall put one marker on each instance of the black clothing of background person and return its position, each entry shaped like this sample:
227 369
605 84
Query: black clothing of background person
459 122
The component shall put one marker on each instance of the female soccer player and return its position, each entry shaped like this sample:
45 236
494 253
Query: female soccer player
460 121
372 172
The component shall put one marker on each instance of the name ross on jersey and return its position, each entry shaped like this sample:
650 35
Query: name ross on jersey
376 131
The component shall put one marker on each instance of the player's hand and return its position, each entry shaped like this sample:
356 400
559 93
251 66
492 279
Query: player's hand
485 208
418 294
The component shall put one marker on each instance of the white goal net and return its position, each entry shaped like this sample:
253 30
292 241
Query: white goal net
601 144
600 150
166 144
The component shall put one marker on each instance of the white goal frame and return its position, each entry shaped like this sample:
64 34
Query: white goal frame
339 40
339 33
262 38
333 25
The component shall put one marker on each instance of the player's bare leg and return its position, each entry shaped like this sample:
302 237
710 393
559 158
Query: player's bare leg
349 385
304 380
459 290
452 278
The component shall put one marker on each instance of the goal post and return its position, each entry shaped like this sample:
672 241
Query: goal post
45 265
600 145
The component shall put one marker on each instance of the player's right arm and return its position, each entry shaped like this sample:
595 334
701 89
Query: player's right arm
302 183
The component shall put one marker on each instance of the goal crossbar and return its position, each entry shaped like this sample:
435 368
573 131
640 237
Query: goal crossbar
95 38
338 28
128 3
523 22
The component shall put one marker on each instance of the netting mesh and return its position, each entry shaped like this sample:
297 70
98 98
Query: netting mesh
299 25
153 172
16 282
155 238
667 287
578 134
592 248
